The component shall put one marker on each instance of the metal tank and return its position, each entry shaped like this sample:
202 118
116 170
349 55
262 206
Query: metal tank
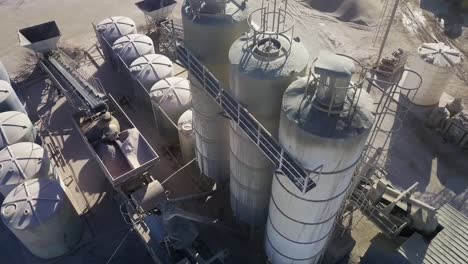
149 69
9 100
40 215
263 64
111 29
186 136
209 32
15 127
132 46
20 162
170 98
435 63
4 76
325 122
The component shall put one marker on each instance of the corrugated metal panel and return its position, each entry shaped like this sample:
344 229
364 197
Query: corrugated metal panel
449 246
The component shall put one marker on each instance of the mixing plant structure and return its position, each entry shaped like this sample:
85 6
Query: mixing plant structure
325 122
262 65
210 27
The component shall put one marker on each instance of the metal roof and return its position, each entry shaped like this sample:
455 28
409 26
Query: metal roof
449 246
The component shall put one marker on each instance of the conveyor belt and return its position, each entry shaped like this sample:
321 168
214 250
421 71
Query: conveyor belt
80 94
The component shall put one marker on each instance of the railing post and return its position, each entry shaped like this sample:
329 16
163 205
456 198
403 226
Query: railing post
280 166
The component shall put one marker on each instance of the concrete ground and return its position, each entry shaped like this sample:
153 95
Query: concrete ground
418 154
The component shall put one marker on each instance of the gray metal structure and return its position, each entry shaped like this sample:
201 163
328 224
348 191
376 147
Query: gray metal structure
263 63
450 245
210 27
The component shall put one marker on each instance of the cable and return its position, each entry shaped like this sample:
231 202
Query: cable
120 244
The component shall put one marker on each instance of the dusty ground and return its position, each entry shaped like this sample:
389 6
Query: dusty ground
421 155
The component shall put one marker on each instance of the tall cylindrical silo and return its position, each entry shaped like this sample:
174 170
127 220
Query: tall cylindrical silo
4 76
171 95
111 29
263 64
9 100
133 46
324 125
20 162
435 62
40 215
148 70
15 127
209 32
186 136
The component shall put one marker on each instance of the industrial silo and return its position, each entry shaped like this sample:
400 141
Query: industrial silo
111 29
20 162
40 215
263 64
4 76
209 31
9 100
186 136
435 63
132 46
324 125
171 95
151 68
15 127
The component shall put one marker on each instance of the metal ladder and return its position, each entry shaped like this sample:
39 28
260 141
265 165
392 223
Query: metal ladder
284 162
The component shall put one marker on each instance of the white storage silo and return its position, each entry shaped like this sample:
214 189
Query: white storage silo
435 62
262 66
111 29
324 126
9 100
4 76
172 95
209 33
151 68
186 136
15 127
133 46
21 162
40 215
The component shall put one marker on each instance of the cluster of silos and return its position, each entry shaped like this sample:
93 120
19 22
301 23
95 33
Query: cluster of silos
262 65
35 207
435 63
324 124
153 89
209 31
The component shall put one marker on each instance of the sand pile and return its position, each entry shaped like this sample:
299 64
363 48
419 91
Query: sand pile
363 12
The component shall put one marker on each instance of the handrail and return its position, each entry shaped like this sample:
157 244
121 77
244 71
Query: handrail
260 136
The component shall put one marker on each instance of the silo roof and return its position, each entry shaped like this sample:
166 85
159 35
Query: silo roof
172 86
19 162
439 54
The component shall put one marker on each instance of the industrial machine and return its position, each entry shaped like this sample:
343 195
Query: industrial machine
123 153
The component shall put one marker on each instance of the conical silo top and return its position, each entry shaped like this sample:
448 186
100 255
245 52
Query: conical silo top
171 89
40 38
32 203
20 162
15 127
439 54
